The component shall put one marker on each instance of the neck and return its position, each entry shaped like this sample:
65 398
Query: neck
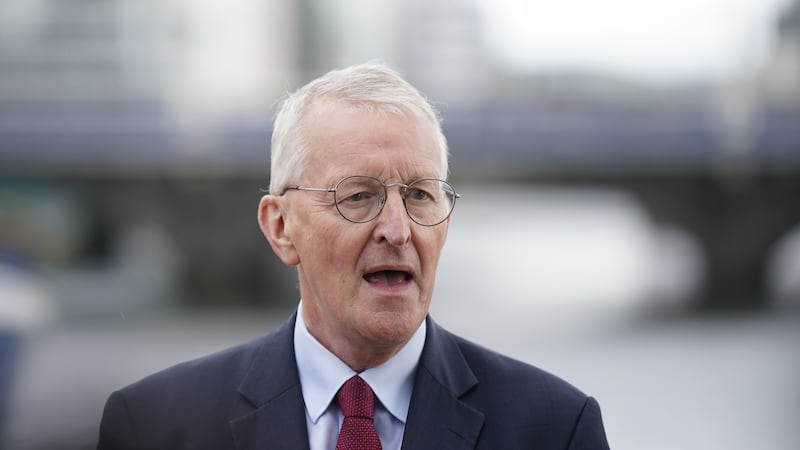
361 355
358 352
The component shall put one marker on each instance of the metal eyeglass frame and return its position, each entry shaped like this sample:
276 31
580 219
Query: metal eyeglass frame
403 192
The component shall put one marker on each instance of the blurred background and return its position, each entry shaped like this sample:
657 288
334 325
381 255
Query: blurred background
629 171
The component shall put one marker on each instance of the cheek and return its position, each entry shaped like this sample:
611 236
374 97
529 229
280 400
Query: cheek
341 248
317 239
431 250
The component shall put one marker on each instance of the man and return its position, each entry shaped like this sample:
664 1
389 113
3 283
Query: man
358 203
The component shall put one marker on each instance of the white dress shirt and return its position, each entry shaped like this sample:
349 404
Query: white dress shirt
322 374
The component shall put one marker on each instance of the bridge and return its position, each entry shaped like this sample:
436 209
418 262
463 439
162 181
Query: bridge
679 162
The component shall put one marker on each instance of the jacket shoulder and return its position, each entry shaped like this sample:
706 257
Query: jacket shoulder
194 401
514 382
522 405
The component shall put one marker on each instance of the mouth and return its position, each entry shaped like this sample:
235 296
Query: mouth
388 277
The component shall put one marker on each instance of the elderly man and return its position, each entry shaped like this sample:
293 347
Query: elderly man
359 205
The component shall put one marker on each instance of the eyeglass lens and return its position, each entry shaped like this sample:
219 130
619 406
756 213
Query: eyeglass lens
427 201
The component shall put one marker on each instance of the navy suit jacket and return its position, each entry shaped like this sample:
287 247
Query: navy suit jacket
248 398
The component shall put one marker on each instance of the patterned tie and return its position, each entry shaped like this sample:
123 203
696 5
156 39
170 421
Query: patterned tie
358 406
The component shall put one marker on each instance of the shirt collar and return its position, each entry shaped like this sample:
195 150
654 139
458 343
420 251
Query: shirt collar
322 373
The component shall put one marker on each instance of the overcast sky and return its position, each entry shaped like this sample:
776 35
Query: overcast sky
659 40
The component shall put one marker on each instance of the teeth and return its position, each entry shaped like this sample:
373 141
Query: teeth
388 277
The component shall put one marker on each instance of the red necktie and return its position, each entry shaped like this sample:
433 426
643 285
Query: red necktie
358 406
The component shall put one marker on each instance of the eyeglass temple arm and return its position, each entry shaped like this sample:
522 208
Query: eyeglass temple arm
300 188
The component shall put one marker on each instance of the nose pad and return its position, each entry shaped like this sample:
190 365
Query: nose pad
402 190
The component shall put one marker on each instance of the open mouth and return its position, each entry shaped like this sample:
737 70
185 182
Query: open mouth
388 277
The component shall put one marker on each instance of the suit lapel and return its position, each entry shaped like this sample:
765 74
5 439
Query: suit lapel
437 418
272 385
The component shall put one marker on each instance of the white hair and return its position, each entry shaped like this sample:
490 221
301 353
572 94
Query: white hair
371 86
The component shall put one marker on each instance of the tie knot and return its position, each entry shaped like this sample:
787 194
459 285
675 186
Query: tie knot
356 398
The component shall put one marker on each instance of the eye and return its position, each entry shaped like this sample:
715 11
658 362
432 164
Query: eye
358 191
417 194
357 197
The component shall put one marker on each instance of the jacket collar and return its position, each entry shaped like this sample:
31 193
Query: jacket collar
437 417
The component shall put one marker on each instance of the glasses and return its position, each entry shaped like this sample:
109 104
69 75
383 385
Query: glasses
359 199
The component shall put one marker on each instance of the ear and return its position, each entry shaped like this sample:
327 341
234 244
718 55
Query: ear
272 220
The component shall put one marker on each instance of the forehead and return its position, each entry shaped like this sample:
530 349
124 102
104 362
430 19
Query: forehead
347 140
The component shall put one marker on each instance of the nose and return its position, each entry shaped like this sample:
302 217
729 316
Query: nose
393 224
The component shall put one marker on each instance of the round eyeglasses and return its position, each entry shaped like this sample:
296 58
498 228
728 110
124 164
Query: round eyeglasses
359 199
